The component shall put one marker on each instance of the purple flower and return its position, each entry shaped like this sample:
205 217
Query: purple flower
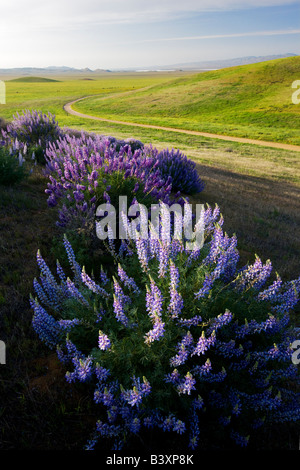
83 369
154 303
173 378
183 172
136 394
154 300
204 344
168 423
203 370
104 395
187 385
101 373
120 302
220 321
135 425
108 430
156 333
76 293
45 325
128 281
240 440
176 301
103 341
271 292
76 166
184 348
91 284
179 427
119 311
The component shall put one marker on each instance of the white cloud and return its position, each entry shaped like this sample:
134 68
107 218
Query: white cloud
35 14
232 35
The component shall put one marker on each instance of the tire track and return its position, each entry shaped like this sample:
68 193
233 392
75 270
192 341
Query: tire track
68 108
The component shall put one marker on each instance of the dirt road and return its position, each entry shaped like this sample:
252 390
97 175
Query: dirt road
68 108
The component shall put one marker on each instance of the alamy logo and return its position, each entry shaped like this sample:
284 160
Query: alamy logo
2 92
295 95
296 354
2 353
162 222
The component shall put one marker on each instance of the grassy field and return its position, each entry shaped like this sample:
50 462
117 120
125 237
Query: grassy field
248 101
50 95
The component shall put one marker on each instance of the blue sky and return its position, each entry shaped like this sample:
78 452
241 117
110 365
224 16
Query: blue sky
137 33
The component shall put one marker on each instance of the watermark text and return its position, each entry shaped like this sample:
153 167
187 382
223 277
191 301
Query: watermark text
296 353
161 222
2 92
2 352
296 94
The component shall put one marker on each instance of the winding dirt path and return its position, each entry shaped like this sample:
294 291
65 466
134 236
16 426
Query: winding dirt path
68 108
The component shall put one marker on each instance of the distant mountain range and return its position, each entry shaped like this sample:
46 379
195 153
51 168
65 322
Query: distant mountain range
201 65
221 64
52 70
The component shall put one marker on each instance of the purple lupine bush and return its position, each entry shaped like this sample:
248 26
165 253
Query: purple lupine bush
33 130
16 157
86 171
183 171
89 169
179 341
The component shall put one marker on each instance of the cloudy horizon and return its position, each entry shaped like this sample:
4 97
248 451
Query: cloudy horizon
110 34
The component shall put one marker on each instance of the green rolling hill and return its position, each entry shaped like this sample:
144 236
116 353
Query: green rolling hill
253 101
33 80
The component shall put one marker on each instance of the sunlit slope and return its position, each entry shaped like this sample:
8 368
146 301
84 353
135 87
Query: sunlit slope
248 101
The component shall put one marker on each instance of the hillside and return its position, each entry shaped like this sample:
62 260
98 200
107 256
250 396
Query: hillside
33 80
248 101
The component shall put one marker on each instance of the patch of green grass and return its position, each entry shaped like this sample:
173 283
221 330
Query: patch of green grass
51 96
11 173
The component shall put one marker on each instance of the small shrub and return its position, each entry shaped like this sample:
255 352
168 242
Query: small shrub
182 170
87 171
37 154
177 341
34 130
12 170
